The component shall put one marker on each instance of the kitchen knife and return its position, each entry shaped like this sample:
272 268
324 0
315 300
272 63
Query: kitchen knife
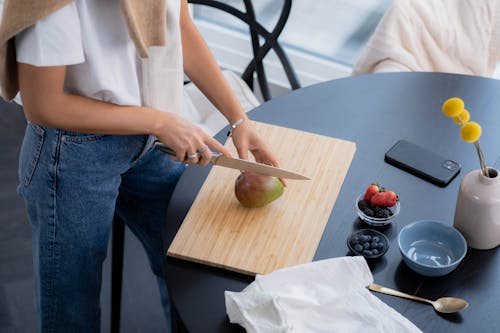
239 164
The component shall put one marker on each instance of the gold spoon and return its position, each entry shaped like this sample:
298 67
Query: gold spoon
443 304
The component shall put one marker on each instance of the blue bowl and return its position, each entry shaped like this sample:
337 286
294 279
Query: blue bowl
431 248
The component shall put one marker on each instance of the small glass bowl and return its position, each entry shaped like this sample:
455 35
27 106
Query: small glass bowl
376 245
377 221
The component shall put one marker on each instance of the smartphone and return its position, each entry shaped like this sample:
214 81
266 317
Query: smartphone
422 163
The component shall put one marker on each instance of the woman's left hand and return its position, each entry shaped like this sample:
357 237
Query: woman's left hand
246 139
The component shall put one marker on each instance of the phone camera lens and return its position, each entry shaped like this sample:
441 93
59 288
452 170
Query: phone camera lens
450 165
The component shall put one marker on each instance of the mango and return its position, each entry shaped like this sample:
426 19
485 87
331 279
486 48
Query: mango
256 190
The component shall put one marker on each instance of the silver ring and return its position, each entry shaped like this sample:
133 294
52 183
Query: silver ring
192 156
202 150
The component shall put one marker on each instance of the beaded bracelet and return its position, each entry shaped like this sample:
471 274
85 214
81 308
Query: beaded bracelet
234 125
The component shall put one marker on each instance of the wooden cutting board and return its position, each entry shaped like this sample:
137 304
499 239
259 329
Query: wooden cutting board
218 231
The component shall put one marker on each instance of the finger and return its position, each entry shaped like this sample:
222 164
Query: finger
211 142
192 158
180 155
263 154
267 158
284 182
243 151
205 155
275 162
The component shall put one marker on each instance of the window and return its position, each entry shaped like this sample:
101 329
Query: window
323 38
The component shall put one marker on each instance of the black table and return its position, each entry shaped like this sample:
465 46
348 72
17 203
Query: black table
374 111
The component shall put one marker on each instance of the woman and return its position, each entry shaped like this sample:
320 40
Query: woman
99 81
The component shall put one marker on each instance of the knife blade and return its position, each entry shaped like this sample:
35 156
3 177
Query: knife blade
239 164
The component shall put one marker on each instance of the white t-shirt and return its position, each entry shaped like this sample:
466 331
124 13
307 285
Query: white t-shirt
91 38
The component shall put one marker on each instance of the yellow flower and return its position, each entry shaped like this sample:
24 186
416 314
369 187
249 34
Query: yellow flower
462 118
470 132
453 107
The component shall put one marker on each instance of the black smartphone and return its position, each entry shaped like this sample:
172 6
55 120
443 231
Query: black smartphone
422 163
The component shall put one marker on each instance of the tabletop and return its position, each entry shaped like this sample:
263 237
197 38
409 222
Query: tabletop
374 111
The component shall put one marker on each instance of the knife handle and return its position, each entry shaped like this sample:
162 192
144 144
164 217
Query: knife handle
161 146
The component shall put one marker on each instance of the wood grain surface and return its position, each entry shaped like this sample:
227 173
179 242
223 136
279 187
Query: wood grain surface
218 231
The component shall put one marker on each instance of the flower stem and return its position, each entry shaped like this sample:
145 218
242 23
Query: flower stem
484 170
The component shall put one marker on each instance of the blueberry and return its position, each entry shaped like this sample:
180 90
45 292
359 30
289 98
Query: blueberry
375 252
362 238
375 239
366 245
367 253
380 245
362 204
373 245
358 248
354 240
368 212
368 238
379 213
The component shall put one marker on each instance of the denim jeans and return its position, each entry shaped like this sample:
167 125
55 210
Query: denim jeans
72 185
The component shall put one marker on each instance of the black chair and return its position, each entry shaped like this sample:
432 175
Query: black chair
270 38
270 41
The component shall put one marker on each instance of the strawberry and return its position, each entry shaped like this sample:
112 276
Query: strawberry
384 199
371 191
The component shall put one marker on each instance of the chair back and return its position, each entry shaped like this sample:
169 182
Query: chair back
258 33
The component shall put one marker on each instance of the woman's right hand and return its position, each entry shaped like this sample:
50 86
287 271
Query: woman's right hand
190 143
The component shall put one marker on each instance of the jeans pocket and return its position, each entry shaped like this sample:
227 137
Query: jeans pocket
83 154
80 137
30 152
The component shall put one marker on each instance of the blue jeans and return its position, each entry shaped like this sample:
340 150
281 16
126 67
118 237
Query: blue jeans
72 184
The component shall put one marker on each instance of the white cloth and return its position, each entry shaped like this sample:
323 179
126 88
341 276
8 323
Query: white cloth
325 296
455 36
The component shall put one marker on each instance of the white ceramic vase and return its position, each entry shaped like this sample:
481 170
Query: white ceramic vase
477 214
